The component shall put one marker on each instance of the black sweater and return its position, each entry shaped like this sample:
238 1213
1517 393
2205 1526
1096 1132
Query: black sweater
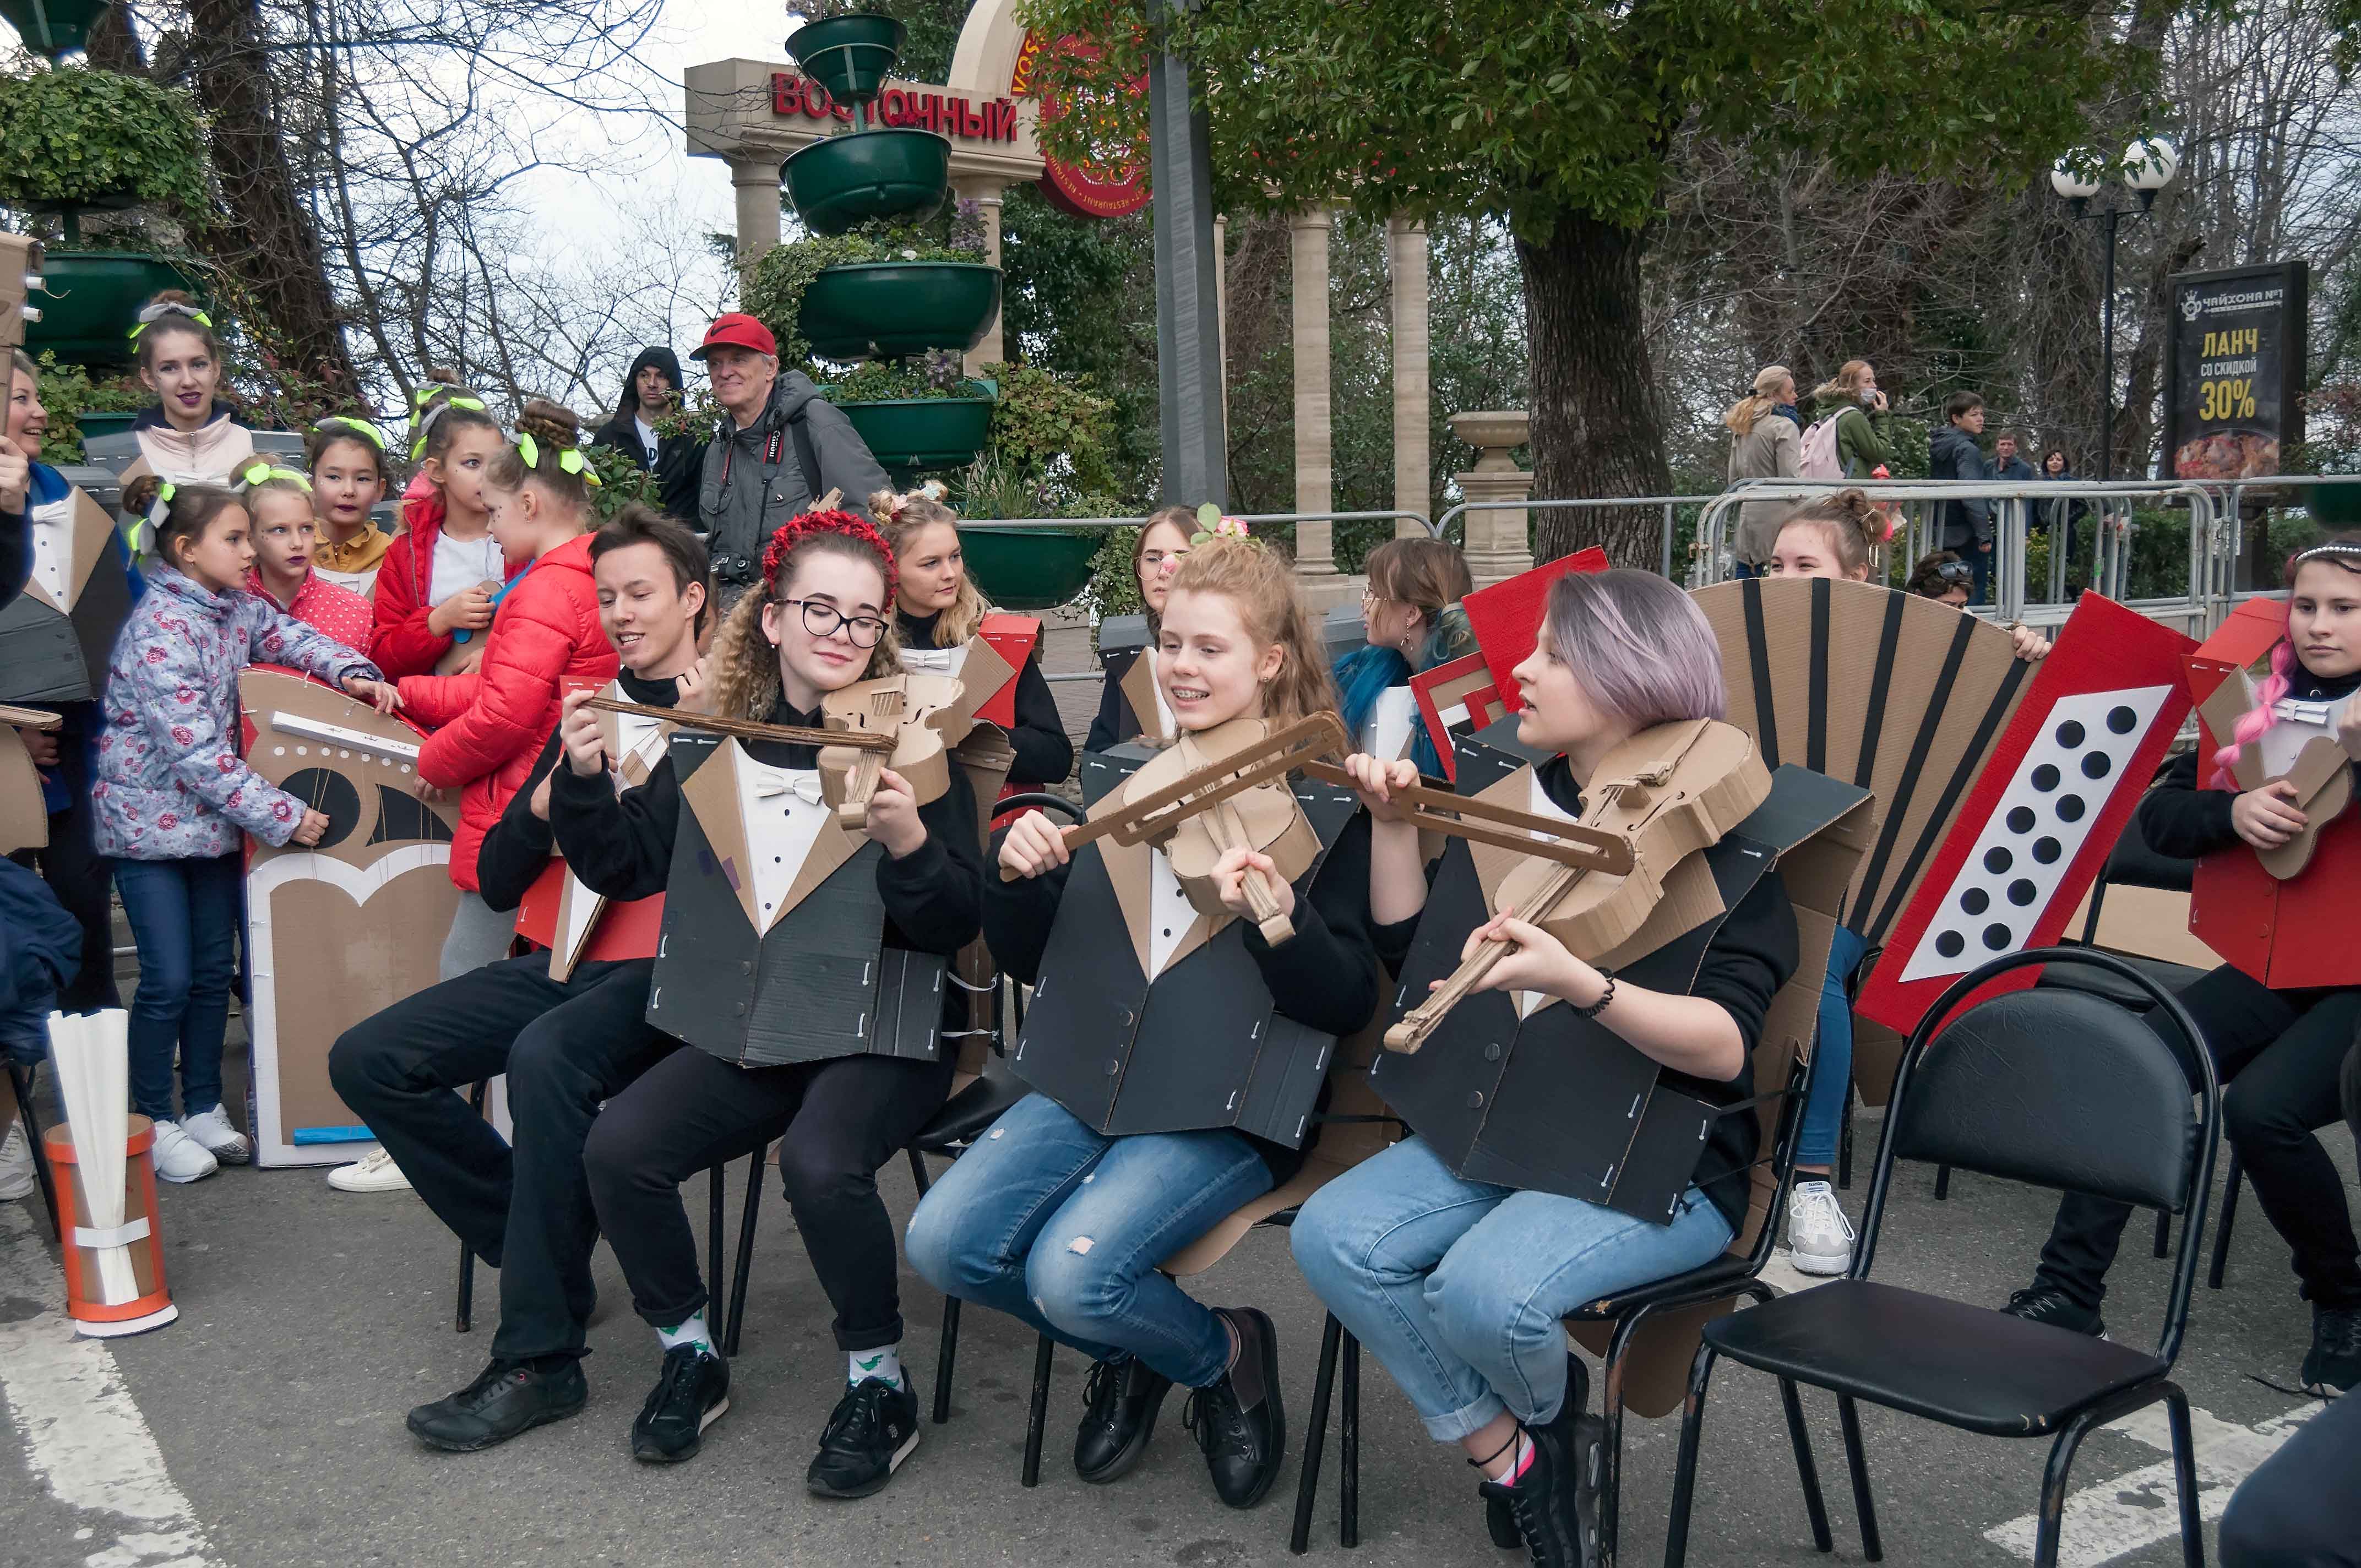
1114 723
2180 819
1044 755
1326 979
1750 957
514 853
620 846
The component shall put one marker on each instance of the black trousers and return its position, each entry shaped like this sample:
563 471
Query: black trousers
82 879
837 1121
566 1047
2280 1052
2302 1508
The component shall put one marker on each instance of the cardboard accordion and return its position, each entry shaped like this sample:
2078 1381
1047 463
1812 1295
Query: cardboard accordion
344 930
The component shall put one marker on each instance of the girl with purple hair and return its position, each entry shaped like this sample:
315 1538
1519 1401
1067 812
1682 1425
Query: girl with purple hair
2280 1051
1458 1286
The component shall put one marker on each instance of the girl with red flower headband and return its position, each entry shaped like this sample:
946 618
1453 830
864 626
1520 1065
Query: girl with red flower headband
821 620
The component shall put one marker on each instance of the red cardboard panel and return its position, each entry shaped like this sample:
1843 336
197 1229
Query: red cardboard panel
1014 637
1456 698
1506 617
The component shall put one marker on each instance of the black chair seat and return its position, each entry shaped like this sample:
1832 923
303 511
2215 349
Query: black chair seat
2095 982
1717 1278
968 1112
1965 1365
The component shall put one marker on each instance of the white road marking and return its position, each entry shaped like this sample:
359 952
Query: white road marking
84 1439
2113 1519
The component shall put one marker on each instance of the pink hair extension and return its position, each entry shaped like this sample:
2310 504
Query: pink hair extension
2250 726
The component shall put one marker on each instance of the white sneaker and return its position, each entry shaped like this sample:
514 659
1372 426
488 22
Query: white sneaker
16 1163
223 1142
179 1158
1819 1237
373 1172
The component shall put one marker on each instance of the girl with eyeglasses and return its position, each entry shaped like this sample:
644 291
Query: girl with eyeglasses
347 457
285 534
1163 543
439 580
819 619
489 724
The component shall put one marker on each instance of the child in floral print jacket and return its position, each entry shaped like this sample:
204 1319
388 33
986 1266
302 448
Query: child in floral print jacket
172 799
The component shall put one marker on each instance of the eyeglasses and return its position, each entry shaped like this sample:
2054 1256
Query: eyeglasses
821 620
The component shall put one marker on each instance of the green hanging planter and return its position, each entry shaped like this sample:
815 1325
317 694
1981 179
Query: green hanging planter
902 173
850 56
888 310
914 435
1029 567
53 27
94 298
2331 506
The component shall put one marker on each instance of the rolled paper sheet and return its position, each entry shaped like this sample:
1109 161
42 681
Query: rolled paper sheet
91 1056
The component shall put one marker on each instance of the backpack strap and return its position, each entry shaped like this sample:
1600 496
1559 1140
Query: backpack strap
807 453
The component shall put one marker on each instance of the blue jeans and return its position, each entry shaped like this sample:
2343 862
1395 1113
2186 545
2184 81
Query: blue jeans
184 916
1063 1228
1459 1287
1816 1144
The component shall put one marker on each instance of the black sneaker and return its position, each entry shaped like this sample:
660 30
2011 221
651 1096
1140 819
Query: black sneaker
506 1398
1544 1501
2048 1304
871 1432
2333 1365
1238 1420
1123 1400
691 1394
1588 1434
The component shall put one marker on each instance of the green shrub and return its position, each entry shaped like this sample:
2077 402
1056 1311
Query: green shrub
76 136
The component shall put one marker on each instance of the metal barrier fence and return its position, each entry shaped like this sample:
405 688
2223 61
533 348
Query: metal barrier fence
1664 543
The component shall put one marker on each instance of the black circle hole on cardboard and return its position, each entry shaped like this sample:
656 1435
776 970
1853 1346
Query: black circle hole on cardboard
2070 734
2047 849
1950 944
2045 778
2098 765
1997 859
2069 807
2021 892
1996 937
1975 901
2122 720
2020 819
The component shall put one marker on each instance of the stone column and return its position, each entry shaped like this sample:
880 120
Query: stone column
756 179
1413 456
1500 545
985 190
1315 550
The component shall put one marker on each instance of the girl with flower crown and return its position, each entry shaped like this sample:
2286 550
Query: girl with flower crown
2278 1052
819 620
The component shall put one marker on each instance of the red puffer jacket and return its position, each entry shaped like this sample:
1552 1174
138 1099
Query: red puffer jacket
399 641
489 726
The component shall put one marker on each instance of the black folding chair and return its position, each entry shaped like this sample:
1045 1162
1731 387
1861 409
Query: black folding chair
25 1080
2055 1088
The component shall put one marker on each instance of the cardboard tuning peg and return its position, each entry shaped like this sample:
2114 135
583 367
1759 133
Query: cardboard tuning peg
20 277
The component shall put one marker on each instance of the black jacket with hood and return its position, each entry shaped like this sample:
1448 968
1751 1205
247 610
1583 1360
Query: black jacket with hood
677 459
1952 453
756 478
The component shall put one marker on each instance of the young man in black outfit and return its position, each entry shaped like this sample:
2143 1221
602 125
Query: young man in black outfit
567 1046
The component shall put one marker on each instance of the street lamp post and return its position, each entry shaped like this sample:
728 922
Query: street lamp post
2147 166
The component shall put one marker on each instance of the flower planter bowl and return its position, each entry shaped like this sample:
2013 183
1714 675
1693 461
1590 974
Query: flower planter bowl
912 434
850 56
891 308
2331 506
896 173
53 27
97 424
93 301
1027 566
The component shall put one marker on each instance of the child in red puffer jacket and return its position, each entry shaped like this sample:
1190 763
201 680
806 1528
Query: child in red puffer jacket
489 725
437 586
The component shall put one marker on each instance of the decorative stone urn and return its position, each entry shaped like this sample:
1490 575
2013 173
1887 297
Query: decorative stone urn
1498 538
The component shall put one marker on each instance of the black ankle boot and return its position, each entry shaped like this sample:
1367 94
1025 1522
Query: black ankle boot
1123 1400
1237 1420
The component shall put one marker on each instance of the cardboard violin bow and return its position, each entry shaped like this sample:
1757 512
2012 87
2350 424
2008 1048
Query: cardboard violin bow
744 729
1527 832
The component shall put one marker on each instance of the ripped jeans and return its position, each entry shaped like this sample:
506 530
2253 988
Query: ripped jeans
1063 1228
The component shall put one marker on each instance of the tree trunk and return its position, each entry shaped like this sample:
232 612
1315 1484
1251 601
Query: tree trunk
290 313
1597 427
114 46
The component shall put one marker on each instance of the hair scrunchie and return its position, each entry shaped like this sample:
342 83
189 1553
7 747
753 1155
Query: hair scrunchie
853 526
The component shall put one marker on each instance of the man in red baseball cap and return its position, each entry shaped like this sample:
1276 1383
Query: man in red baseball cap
783 447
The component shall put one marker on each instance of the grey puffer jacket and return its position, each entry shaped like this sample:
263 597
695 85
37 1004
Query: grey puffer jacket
754 479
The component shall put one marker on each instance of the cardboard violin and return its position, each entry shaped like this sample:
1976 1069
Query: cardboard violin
923 715
1667 793
23 814
2318 768
1261 816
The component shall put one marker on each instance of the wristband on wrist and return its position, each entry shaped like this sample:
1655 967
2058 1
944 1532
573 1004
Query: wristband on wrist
1595 1008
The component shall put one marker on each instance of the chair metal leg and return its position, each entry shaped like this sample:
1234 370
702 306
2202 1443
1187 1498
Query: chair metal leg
1942 1181
2051 1517
1844 1144
746 1219
1348 1450
2184 1480
23 1080
1849 1416
917 1171
946 1357
1038 1416
1800 1438
1315 1437
2231 1182
1676 1527
717 1284
2163 1232
465 1315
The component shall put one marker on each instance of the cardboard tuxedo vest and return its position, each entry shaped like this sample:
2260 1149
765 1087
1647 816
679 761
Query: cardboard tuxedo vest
55 647
1522 1091
558 912
772 949
1150 1017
